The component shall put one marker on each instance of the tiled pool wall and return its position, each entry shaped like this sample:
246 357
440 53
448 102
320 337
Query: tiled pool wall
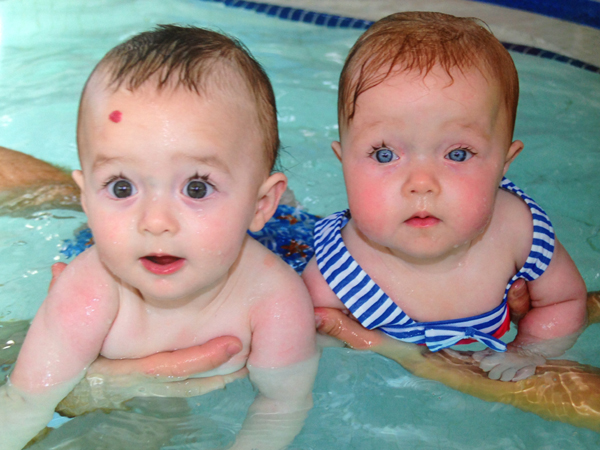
584 12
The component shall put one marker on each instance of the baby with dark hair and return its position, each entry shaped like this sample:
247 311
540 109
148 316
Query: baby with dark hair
177 137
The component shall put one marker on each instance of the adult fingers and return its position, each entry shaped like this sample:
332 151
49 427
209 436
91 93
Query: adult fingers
519 301
191 387
335 323
56 270
175 364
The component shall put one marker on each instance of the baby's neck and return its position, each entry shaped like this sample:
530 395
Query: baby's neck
192 301
439 263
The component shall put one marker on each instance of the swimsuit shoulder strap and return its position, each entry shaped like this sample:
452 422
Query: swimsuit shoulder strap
353 286
542 246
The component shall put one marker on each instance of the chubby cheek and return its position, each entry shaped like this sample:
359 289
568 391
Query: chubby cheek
217 237
112 237
475 208
106 229
367 201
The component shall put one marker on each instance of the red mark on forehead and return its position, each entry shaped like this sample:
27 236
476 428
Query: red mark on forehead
115 116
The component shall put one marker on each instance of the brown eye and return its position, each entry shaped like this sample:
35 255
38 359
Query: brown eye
197 189
121 189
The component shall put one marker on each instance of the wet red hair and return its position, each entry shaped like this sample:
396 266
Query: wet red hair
408 41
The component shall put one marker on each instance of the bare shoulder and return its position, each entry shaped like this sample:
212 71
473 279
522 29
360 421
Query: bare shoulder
264 265
513 223
85 287
71 323
511 205
281 313
270 285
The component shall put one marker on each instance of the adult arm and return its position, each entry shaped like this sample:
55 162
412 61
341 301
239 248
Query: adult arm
559 390
28 183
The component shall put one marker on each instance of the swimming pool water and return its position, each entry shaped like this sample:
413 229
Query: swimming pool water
362 401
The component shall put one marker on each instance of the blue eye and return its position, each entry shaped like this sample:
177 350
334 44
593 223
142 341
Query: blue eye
459 155
385 155
197 189
121 188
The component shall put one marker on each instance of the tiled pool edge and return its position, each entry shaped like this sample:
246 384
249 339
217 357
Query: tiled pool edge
583 12
335 21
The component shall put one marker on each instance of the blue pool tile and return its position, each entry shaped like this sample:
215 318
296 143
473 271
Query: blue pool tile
321 18
297 15
333 21
273 10
309 17
346 21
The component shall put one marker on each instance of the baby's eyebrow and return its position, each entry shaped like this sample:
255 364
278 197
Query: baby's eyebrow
206 160
103 160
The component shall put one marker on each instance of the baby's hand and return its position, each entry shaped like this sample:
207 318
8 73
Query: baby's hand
513 365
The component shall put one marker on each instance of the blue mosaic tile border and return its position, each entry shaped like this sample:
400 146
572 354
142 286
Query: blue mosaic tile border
333 21
584 12
546 54
297 14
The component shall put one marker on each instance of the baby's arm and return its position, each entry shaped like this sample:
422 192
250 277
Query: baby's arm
283 364
557 317
65 336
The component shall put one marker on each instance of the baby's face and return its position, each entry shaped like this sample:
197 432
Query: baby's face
422 161
170 185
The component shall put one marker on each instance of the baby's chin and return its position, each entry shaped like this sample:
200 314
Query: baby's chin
430 253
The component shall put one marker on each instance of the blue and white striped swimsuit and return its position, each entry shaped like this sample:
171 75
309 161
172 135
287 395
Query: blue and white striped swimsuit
374 309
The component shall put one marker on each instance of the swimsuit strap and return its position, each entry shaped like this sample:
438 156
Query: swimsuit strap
542 246
374 309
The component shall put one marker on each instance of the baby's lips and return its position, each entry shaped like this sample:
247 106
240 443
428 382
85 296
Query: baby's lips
422 220
162 259
162 264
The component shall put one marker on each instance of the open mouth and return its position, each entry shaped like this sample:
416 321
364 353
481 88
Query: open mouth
422 220
162 264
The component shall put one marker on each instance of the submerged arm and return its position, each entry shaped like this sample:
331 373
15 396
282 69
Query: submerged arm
283 365
64 338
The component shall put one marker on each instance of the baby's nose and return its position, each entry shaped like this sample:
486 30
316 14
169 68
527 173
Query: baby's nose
158 217
421 180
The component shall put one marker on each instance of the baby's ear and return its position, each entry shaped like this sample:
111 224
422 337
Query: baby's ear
268 198
78 178
513 151
336 146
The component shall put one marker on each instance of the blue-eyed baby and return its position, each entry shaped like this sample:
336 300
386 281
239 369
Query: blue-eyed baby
435 235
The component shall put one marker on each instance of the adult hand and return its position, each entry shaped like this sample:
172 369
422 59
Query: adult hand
109 383
559 390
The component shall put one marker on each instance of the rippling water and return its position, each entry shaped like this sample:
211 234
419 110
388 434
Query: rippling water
362 401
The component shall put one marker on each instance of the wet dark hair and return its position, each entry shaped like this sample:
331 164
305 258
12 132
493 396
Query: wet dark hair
408 41
194 58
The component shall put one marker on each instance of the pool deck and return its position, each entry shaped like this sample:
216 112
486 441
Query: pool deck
509 25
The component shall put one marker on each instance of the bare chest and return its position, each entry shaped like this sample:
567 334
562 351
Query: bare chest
140 330
471 287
